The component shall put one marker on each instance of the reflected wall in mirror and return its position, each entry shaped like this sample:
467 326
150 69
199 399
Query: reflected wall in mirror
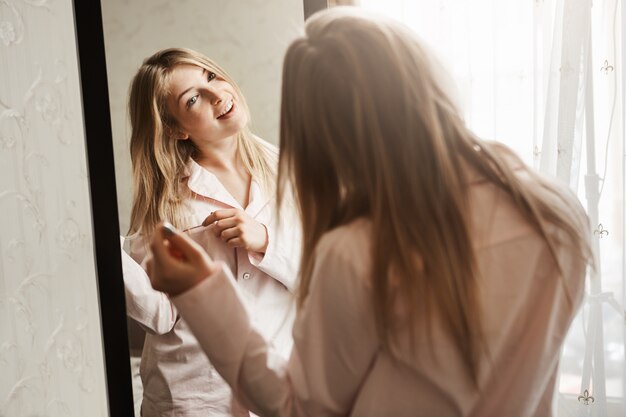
246 38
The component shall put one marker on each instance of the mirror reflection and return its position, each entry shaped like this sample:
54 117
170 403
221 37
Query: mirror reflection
194 91
202 160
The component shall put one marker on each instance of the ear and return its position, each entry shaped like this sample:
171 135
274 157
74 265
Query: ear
182 135
177 134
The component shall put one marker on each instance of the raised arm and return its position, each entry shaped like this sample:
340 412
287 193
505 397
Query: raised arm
334 337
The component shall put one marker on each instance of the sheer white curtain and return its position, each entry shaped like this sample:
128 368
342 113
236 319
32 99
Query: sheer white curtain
545 77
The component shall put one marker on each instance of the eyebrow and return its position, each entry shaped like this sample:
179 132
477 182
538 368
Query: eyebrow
190 88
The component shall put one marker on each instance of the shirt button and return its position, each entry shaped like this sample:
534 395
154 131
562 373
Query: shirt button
246 275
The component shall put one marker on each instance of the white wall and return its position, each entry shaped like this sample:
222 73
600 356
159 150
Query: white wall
51 359
247 38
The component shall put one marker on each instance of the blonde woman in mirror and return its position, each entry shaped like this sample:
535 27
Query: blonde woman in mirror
196 163
439 274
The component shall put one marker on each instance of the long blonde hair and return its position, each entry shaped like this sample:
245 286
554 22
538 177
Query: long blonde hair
368 131
159 160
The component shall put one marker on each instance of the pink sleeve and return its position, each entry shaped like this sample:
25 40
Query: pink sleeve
335 342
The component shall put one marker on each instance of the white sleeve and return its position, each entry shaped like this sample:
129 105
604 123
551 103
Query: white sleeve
150 308
335 342
282 257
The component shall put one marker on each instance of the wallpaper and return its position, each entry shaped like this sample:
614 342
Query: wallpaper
248 38
51 359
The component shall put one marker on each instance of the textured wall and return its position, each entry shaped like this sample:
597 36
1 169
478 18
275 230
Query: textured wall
51 360
247 38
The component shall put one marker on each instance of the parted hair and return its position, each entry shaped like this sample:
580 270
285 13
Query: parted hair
158 159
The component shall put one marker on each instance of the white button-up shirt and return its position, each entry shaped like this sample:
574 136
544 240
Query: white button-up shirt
338 367
177 377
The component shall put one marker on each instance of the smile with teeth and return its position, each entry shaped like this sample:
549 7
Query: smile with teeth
226 109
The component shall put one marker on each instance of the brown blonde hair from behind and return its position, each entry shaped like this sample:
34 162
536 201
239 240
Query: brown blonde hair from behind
367 130
159 160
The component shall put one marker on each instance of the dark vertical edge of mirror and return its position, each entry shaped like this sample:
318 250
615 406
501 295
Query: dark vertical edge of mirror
105 221
312 6
101 168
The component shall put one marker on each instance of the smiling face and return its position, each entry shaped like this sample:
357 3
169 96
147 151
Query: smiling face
206 107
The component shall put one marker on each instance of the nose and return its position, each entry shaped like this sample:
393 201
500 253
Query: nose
216 99
215 96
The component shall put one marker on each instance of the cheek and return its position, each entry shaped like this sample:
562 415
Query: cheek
198 128
199 120
242 120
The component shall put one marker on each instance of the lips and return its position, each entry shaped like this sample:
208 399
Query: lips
226 109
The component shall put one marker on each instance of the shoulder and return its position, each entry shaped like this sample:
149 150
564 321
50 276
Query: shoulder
556 194
340 279
346 247
337 237
496 219
548 188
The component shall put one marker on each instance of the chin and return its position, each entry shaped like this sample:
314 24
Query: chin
235 129
239 124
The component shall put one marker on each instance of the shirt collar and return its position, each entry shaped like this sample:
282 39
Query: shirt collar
204 183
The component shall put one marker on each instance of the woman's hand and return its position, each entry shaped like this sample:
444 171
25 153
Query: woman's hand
177 263
238 229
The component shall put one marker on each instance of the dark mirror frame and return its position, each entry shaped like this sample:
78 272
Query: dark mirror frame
103 194
105 219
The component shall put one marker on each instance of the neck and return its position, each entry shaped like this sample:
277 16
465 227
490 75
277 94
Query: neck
219 155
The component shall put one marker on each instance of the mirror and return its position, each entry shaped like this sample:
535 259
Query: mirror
246 38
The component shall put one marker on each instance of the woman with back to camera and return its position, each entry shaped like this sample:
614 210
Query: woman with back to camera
196 163
439 274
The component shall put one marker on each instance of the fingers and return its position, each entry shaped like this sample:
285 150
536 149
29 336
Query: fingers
219 215
158 246
237 229
179 243
177 262
236 243
233 237
168 247
209 219
228 234
220 225
222 220
236 238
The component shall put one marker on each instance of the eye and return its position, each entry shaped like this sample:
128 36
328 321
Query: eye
211 75
192 101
